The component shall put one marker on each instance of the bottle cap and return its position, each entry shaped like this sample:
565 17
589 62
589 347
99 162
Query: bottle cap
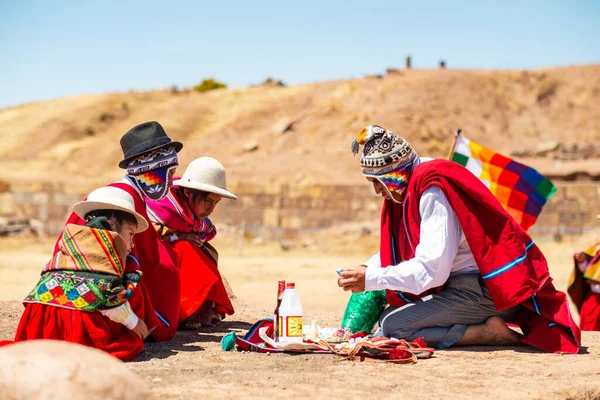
290 285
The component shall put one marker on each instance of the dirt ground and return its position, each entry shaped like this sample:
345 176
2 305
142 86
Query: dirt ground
193 364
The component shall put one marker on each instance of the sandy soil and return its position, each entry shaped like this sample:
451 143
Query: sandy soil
193 364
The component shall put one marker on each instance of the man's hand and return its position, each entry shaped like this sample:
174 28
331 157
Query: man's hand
193 238
353 279
141 330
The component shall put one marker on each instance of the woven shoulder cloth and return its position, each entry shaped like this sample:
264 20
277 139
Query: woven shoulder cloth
397 351
87 273
84 291
90 250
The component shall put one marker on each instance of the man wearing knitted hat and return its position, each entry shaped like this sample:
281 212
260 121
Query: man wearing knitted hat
454 263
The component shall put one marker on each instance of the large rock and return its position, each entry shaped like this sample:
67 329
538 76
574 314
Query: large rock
50 369
282 126
250 146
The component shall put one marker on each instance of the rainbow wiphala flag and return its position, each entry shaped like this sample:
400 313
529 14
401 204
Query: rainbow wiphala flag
521 190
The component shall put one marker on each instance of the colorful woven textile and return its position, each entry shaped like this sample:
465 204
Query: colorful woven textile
83 291
174 212
397 351
521 190
259 338
386 157
150 171
89 249
87 272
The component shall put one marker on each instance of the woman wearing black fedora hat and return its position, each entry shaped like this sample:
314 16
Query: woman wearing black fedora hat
150 158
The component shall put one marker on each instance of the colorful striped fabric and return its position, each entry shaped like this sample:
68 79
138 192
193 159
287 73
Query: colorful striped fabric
110 249
521 190
89 249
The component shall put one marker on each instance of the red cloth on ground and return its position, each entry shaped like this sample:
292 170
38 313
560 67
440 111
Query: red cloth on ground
40 321
160 273
513 268
589 313
200 281
5 342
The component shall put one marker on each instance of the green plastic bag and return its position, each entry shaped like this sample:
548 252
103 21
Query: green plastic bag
363 310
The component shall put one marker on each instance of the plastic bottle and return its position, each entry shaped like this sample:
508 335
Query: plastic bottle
276 323
290 316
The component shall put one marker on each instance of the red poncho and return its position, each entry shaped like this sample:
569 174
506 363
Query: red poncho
512 266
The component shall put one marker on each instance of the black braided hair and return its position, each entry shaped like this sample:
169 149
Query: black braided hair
117 216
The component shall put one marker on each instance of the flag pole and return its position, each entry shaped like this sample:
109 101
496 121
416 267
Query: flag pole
454 144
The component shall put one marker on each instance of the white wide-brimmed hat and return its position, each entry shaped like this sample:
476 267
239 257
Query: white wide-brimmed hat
110 198
206 174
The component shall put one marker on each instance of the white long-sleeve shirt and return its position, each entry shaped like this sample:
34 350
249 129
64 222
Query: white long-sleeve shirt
442 252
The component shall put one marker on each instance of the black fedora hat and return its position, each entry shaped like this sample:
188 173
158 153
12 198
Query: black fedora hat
142 139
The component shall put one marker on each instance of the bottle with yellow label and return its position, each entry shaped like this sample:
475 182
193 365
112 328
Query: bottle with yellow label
290 316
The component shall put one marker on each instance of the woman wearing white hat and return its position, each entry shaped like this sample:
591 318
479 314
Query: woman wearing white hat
85 292
181 219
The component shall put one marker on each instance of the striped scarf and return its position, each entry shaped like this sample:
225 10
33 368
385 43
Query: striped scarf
174 212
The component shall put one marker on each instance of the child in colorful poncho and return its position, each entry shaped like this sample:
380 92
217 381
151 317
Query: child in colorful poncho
584 287
85 290
181 219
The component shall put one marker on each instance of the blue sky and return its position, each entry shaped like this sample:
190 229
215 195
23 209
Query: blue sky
51 49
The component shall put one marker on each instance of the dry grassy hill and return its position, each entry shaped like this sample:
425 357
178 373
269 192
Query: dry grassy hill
77 139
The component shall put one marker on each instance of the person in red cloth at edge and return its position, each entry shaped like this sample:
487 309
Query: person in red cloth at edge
584 287
181 220
455 264
150 159
84 291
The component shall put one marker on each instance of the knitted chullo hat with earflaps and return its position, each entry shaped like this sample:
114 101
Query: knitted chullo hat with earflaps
385 157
